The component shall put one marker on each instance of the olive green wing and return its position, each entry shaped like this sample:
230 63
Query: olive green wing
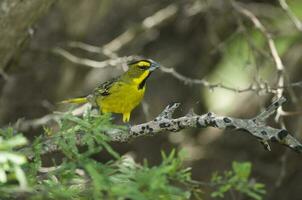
103 89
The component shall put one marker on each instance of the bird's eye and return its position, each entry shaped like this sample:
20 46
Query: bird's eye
142 67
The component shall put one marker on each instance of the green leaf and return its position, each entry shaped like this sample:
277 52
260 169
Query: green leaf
3 177
15 158
242 170
20 175
13 142
254 195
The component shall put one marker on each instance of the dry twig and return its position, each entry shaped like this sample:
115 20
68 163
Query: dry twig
116 61
290 14
273 51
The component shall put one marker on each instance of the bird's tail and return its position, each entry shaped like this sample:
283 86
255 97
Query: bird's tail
79 100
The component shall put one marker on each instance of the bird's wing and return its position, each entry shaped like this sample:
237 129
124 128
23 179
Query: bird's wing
104 88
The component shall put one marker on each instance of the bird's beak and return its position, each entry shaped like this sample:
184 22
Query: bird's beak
154 66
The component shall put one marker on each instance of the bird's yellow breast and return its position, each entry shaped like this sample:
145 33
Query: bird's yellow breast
123 98
121 94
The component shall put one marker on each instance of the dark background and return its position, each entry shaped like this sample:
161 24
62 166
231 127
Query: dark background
204 39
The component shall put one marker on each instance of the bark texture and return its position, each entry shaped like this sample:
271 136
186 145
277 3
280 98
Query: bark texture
16 20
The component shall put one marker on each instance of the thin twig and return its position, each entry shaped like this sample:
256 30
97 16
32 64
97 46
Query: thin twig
92 49
273 50
148 23
92 63
259 87
291 15
191 81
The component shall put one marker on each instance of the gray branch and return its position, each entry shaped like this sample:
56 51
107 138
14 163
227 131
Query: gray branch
165 122
255 126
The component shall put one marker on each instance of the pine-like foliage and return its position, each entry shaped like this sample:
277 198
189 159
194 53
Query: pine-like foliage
79 176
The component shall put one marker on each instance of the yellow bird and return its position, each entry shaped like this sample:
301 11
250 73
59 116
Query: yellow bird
121 94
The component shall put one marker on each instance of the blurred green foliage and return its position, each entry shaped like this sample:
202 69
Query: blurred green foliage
10 160
238 179
296 7
246 57
79 176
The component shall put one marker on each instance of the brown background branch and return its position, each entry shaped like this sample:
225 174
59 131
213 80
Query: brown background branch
16 21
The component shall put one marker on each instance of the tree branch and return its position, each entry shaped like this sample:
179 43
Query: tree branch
255 126
164 122
16 19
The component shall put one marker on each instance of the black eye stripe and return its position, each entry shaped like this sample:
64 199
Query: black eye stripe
142 67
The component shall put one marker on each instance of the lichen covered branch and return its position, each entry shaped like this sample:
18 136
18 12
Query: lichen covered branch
165 122
255 126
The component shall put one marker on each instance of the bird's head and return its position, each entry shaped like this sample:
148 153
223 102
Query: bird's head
141 66
140 70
